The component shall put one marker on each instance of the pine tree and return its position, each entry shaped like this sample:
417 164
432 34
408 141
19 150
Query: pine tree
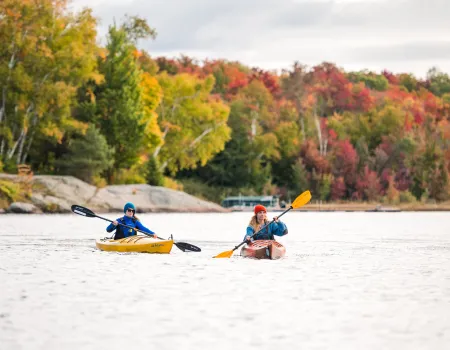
88 156
119 104
154 176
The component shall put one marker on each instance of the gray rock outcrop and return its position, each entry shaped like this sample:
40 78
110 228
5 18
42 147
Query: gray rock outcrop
58 193
23 208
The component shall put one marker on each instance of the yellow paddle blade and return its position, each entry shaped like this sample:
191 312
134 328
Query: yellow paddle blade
301 200
226 254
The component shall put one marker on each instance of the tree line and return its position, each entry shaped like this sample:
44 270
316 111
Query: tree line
114 114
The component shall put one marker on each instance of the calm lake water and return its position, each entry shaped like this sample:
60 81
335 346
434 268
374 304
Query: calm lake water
348 281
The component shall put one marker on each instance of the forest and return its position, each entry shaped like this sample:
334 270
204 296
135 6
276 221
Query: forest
115 114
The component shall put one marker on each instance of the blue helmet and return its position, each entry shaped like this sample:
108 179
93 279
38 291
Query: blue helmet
129 205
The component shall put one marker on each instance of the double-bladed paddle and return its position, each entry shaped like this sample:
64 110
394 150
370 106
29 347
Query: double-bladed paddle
78 209
300 201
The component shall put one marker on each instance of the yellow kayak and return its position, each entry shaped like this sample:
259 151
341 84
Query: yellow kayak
137 244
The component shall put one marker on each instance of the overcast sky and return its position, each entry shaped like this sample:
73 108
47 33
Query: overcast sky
397 35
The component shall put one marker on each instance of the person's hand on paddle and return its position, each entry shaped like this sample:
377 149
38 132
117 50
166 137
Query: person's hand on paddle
275 218
115 223
248 239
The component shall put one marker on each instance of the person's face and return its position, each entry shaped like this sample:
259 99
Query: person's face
260 216
130 213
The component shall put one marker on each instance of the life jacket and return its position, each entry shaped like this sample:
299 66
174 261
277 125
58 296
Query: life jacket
119 229
267 235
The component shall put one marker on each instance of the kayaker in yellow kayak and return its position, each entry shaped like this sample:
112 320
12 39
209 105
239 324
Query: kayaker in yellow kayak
276 228
128 219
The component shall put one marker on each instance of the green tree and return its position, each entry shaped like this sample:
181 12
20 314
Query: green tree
300 181
439 82
371 126
154 176
137 28
119 105
371 80
87 156
409 82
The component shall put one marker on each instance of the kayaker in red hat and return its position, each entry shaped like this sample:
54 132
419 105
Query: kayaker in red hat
276 228
129 219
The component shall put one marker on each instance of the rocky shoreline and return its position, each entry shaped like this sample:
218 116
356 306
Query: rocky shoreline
56 194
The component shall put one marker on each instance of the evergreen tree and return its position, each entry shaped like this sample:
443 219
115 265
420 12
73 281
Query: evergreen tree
87 157
154 176
119 103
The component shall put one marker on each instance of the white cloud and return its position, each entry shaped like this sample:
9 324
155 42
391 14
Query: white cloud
397 35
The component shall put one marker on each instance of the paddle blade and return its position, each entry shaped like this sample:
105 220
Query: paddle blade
226 254
301 200
78 209
187 247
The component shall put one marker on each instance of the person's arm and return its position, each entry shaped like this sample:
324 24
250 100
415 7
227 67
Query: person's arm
143 228
250 232
112 226
278 228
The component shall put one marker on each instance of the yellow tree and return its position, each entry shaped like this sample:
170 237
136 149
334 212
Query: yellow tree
151 97
193 122
46 54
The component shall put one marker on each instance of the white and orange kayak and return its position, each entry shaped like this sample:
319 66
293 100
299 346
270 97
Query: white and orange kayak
136 244
263 249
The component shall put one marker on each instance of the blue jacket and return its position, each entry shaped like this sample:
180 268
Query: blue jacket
125 230
273 229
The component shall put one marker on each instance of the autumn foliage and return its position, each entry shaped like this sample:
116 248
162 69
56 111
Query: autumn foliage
361 136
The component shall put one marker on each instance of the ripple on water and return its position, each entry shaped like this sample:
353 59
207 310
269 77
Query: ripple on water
344 283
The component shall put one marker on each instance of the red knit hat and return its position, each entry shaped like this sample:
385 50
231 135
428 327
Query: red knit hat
259 208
